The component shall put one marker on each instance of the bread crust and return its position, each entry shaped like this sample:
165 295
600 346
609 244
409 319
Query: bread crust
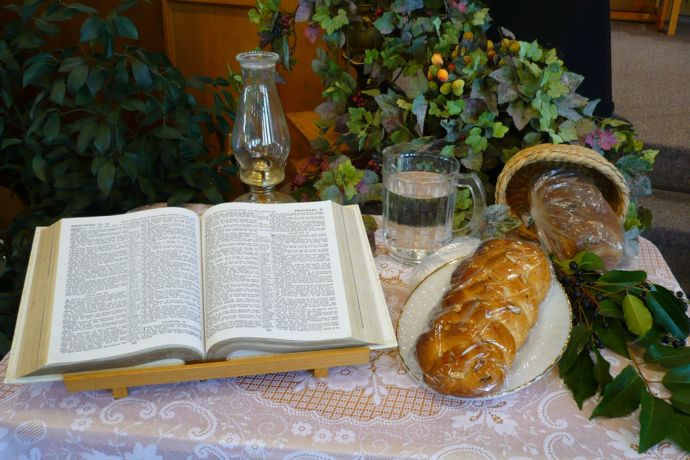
484 318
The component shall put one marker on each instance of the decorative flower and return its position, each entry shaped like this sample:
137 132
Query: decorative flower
70 402
301 429
322 436
605 139
81 423
493 414
87 409
255 447
345 436
98 455
312 32
229 440
348 378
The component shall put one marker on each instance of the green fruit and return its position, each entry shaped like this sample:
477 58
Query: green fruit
446 88
433 87
458 87
433 70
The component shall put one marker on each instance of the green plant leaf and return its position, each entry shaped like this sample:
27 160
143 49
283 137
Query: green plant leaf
385 23
126 28
129 163
681 399
621 396
89 28
51 129
106 177
681 431
612 334
666 356
636 315
610 309
180 197
677 378
38 165
141 73
656 421
623 277
86 135
102 137
57 93
601 371
77 77
580 378
34 72
147 187
668 315
579 338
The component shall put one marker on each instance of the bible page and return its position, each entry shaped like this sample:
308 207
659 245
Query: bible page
127 284
272 272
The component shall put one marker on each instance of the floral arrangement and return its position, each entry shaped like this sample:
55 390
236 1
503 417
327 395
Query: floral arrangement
431 70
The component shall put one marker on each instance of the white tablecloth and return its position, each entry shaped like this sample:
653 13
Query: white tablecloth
374 410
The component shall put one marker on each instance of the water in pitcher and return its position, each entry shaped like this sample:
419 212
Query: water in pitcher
418 208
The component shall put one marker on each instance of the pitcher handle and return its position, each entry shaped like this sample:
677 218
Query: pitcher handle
472 181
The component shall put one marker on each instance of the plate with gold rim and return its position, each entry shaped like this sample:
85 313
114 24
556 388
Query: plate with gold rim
540 352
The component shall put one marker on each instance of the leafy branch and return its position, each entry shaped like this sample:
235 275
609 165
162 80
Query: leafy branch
644 323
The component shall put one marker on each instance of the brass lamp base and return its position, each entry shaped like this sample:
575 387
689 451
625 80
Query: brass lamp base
264 195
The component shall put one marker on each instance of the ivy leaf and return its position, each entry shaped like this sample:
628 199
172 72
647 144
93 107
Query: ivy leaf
621 396
601 371
476 140
479 18
612 334
384 24
521 113
499 130
681 400
106 177
413 85
330 23
677 378
57 93
580 378
473 161
579 338
656 421
636 315
455 107
666 356
419 106
668 316
406 6
304 11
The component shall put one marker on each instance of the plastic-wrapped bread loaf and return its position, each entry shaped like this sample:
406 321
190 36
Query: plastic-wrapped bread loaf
484 318
571 215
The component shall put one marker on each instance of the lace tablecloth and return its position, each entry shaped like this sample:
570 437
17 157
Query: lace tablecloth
370 411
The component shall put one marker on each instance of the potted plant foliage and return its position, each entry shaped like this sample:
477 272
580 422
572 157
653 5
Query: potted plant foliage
99 127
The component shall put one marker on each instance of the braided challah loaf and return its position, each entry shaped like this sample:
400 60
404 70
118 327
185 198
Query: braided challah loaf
484 318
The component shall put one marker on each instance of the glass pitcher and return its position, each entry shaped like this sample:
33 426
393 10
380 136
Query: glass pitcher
419 188
260 136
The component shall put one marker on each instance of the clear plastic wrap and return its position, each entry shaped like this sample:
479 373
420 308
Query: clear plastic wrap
571 215
484 318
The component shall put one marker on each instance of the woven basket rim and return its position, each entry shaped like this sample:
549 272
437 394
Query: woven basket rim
557 154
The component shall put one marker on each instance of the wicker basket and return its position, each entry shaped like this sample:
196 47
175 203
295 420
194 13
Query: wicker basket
514 182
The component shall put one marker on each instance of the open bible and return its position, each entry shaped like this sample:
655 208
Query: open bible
125 290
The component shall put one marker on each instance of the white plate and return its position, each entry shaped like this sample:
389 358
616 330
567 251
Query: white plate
540 352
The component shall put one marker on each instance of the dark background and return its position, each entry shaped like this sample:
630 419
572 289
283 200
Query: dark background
580 31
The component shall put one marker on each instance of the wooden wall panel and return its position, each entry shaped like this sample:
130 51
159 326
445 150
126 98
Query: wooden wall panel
203 38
